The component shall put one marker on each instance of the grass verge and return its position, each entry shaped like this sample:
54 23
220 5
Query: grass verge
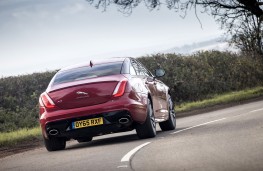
226 98
13 138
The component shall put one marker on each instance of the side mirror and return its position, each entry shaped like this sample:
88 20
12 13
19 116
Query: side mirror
159 72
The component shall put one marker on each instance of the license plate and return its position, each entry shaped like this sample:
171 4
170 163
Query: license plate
87 123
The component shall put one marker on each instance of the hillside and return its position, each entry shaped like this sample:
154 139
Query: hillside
216 44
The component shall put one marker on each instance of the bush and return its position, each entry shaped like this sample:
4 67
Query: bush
19 100
205 74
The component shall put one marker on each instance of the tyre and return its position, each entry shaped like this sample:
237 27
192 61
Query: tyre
54 144
170 124
148 128
84 139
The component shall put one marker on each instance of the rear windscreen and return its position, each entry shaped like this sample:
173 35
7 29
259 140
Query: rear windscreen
87 72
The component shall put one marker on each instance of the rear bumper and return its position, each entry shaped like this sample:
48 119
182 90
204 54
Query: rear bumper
111 124
125 106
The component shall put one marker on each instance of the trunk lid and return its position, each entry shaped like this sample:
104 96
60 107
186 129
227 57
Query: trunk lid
83 93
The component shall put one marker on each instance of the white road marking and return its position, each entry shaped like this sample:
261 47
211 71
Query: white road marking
256 110
127 157
196 126
123 166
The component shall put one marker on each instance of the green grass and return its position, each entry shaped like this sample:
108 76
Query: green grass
221 99
13 138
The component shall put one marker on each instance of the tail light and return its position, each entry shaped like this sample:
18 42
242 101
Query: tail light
120 88
46 101
41 107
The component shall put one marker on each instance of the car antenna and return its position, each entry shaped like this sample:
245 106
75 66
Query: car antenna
91 64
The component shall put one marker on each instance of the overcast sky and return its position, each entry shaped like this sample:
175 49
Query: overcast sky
40 35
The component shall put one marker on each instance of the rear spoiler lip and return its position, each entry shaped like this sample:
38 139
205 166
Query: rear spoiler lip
110 78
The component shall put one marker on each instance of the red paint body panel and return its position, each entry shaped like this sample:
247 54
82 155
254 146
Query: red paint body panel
129 101
86 98
88 95
112 78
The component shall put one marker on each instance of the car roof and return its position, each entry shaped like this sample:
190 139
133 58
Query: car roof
94 62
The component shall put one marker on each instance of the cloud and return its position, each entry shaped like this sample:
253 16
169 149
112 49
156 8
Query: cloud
38 8
75 8
64 30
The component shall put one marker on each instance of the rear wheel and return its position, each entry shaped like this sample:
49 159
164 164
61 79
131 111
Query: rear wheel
54 144
170 124
148 128
84 139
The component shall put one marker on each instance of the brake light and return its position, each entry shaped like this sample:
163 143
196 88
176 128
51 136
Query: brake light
48 103
120 88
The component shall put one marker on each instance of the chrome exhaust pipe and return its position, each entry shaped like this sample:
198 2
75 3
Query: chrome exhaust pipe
124 120
53 132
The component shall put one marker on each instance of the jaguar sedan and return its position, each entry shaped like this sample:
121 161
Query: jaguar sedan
103 97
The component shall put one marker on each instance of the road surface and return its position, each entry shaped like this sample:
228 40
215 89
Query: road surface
228 139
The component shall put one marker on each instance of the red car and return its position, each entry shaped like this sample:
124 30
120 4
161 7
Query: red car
104 97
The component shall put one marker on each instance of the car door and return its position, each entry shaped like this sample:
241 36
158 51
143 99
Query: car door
162 96
160 103
156 90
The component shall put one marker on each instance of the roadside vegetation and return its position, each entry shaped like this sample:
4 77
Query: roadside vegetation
205 74
19 100
196 81
15 137
191 78
227 98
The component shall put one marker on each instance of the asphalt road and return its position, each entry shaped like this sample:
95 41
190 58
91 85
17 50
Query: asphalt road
228 139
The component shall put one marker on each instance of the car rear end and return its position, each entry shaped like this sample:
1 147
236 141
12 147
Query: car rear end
90 100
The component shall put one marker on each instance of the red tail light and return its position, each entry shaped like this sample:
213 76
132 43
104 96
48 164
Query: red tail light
120 88
46 100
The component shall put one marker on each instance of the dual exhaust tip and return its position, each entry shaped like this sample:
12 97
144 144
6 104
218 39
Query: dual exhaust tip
53 132
125 120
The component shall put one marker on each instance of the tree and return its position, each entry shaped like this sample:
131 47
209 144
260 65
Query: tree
242 19
226 8
231 14
248 35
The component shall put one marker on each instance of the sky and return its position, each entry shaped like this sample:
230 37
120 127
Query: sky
41 35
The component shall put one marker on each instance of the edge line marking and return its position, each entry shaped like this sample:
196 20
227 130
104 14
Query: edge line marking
176 132
256 110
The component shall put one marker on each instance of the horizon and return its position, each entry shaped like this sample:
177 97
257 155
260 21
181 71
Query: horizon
216 45
37 36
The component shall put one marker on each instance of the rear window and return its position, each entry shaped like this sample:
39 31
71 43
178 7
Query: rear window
87 72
